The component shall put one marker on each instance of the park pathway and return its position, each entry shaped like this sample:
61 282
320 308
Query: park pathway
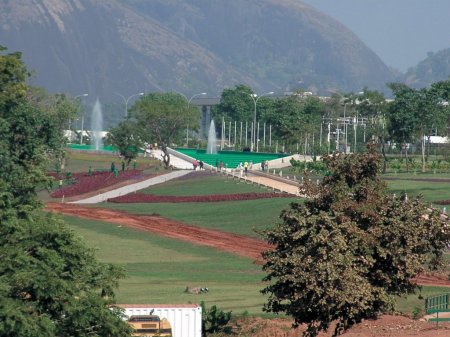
131 188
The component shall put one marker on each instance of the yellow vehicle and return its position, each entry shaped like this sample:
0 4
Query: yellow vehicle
150 325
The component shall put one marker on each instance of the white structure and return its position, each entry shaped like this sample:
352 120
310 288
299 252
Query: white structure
435 139
185 319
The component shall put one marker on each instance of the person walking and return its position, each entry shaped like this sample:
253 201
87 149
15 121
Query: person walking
245 168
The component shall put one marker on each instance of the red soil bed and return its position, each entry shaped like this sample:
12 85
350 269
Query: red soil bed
229 242
85 183
149 198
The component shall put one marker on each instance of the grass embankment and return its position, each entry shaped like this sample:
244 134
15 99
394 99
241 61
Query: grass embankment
159 269
240 217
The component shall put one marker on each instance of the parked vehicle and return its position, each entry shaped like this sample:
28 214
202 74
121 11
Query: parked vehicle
150 325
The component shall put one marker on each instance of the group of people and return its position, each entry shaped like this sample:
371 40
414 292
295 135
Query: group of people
245 166
198 163
249 165
264 165
115 170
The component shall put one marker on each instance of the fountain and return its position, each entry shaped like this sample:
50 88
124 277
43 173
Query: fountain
97 125
211 148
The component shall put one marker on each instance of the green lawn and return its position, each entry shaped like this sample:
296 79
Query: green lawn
203 185
77 161
431 191
240 217
159 269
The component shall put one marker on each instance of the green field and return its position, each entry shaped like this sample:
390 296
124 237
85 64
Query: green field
203 185
159 269
77 161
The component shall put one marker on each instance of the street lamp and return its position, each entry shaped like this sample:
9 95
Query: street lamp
82 118
188 103
255 99
126 100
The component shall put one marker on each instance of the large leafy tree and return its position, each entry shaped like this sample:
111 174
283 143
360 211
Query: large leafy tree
403 116
50 283
295 116
415 112
127 139
163 118
235 104
351 247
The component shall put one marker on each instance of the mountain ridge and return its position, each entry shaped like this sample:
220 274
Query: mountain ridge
188 46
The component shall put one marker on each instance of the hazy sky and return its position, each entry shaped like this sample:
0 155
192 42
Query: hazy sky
400 32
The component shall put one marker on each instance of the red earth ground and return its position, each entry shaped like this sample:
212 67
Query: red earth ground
386 326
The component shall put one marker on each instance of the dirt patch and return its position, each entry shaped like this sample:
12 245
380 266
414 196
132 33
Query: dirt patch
229 242
432 280
385 326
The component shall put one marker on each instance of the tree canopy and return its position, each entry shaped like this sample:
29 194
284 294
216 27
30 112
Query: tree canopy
350 248
127 139
50 283
164 117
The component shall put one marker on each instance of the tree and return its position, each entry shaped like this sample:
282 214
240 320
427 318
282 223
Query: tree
295 116
61 109
414 113
235 104
126 138
372 106
164 118
50 283
350 248
402 114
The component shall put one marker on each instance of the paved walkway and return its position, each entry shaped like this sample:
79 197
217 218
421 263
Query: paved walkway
132 188
175 161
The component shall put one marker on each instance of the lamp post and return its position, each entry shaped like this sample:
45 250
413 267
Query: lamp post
255 99
126 100
188 104
82 118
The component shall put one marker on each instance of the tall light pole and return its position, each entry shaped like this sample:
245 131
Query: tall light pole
255 99
126 100
188 104
82 118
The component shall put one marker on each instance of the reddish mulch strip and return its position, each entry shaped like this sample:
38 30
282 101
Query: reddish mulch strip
149 198
442 202
431 180
85 183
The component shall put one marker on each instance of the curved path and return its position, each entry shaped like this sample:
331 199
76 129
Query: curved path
131 188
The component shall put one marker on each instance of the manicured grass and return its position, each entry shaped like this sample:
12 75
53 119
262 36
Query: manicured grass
240 217
159 269
431 191
80 161
203 185
408 303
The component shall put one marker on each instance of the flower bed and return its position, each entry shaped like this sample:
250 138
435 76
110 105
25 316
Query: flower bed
148 198
84 183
